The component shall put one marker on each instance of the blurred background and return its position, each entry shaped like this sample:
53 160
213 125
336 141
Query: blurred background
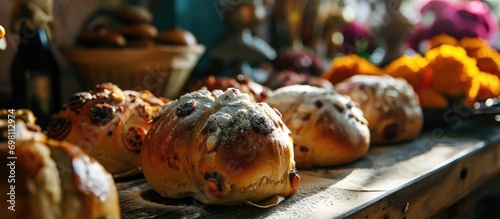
206 19
378 31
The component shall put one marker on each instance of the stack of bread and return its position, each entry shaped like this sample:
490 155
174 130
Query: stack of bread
130 27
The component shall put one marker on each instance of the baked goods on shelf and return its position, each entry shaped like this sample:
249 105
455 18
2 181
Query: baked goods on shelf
123 27
220 148
389 104
176 36
327 128
109 124
245 84
50 178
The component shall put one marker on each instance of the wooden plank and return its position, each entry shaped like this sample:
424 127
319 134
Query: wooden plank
466 206
414 179
439 189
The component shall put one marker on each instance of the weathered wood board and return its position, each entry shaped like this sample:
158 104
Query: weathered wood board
414 180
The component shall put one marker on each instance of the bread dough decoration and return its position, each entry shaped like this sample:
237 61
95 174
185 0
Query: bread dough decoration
328 128
389 104
109 124
53 179
220 148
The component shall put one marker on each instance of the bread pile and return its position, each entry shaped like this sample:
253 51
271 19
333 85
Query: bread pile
53 179
109 124
130 27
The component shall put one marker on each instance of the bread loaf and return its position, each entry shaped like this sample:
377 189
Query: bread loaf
220 148
109 124
389 104
52 179
327 128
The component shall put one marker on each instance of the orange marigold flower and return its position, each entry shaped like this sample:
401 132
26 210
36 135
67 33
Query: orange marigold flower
431 99
442 39
473 44
347 66
409 68
452 71
489 86
488 60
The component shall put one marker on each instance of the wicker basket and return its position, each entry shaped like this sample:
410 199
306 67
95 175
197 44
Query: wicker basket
162 69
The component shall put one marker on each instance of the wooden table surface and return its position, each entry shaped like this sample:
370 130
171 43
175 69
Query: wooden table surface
409 180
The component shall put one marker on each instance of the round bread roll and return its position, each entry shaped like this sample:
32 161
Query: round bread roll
100 38
176 36
256 91
51 179
109 124
141 43
134 14
327 128
220 148
389 104
139 31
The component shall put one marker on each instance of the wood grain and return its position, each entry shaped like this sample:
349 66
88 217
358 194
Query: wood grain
410 180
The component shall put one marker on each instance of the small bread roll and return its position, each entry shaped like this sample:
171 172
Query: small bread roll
141 43
389 104
220 148
176 36
139 31
52 179
328 128
100 38
109 124
254 90
134 14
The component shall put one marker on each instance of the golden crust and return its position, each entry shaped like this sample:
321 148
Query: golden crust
389 104
328 128
56 179
109 124
220 148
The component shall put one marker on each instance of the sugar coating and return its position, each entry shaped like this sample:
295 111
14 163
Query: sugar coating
232 109
305 97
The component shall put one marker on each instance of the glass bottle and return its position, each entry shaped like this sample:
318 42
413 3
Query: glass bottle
35 76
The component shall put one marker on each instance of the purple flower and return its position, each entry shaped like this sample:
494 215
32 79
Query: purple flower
462 19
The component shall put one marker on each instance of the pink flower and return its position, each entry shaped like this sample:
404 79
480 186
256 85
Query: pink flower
463 19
